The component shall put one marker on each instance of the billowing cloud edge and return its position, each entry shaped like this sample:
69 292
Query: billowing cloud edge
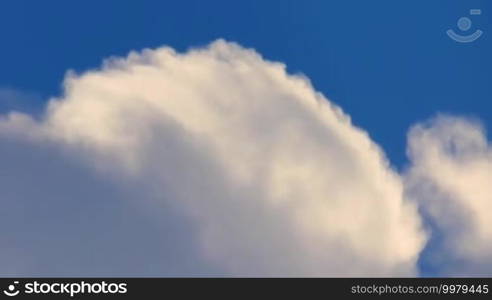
275 175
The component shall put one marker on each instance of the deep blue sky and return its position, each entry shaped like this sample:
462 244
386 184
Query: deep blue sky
387 63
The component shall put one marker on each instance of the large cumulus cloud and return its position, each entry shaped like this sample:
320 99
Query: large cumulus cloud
271 176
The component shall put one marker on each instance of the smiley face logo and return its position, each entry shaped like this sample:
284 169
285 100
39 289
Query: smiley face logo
11 291
464 25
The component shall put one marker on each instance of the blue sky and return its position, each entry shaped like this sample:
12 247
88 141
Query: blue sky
389 64
386 63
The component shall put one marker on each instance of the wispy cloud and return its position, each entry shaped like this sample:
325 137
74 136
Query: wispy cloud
14 99
450 177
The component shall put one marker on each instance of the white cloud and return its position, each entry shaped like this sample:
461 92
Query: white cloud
450 177
59 218
274 176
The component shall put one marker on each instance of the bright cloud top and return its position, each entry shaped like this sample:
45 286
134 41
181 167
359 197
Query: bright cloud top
277 179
